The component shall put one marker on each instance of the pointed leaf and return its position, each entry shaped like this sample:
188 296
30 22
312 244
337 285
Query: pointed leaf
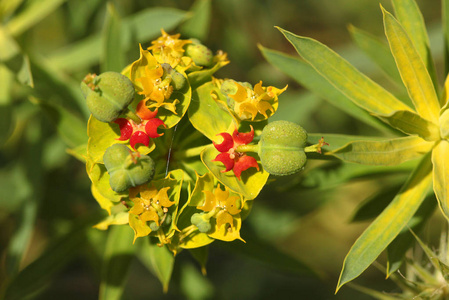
388 224
307 76
383 153
413 124
412 69
356 86
117 258
440 160
408 14
112 58
377 50
159 260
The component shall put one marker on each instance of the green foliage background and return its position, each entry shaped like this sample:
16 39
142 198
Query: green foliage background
48 248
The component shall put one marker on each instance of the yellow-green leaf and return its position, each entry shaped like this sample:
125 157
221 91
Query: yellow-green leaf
386 153
346 78
388 224
414 74
440 160
113 219
413 124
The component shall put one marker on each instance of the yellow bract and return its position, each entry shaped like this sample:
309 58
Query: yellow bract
262 100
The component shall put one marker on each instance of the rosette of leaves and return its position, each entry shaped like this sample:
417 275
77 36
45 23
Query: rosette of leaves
419 122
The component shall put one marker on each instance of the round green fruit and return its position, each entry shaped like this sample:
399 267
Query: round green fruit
200 54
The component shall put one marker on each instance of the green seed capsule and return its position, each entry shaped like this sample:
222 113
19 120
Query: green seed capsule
153 226
281 149
127 168
107 95
201 222
200 54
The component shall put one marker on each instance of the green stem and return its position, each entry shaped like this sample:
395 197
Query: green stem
187 231
248 148
131 115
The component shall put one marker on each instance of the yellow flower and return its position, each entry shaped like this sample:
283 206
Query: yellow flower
169 48
262 100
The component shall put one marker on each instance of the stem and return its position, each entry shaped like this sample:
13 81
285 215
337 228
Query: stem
187 231
129 114
248 148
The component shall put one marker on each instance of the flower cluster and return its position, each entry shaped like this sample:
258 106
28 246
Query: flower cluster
144 153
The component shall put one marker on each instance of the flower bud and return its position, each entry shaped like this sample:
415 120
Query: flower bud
200 54
107 95
127 168
281 148
200 221
154 226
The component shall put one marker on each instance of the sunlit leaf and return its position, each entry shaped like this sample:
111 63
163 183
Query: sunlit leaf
307 76
386 153
440 160
117 258
356 86
412 69
388 224
159 260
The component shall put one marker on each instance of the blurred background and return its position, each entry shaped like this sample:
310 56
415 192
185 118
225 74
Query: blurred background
47 47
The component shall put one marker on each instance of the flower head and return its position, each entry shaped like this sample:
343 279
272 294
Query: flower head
170 49
229 154
140 133
251 102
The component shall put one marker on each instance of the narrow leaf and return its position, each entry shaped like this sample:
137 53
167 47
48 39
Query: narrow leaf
412 69
112 59
377 50
158 259
356 86
408 14
116 260
198 25
440 160
388 224
413 124
308 77
386 153
445 21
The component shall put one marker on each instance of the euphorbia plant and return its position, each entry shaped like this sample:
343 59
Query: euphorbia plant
183 156
419 124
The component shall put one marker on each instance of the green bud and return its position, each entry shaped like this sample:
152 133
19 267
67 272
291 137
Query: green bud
281 148
200 54
153 226
200 221
177 80
167 220
127 168
107 95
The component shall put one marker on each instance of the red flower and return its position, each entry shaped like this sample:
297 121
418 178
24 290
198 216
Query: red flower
140 133
230 157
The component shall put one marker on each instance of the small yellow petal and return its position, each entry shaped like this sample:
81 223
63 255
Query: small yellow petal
224 218
148 193
231 205
150 215
162 198
209 203
241 93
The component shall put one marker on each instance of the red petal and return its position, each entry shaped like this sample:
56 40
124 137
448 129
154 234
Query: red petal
152 126
242 138
126 129
139 137
244 163
227 143
226 160
143 111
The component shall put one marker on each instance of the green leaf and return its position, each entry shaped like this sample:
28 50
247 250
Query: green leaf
70 127
206 115
397 249
377 50
37 274
307 76
440 162
412 69
387 225
383 153
198 25
117 258
251 183
413 124
408 14
35 11
159 260
445 21
347 79
112 58
194 285
137 28
201 255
